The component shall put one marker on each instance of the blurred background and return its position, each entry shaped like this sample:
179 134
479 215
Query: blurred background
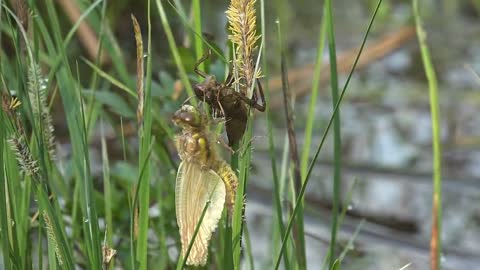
385 122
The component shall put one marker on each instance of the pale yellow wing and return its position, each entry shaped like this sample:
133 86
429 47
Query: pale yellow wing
194 187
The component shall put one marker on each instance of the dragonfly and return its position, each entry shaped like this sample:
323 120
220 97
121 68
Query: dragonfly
205 182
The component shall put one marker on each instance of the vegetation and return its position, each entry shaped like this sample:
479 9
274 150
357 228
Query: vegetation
64 211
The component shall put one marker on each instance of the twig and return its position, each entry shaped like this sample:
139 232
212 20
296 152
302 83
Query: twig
372 53
86 35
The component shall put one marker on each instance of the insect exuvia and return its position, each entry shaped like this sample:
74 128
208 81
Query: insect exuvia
226 102
202 177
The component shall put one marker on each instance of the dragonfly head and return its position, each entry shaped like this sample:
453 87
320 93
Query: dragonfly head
188 117
203 90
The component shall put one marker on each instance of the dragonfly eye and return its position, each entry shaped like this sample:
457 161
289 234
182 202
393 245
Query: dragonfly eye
187 116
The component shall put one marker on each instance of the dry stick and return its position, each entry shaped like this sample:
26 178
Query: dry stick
85 33
370 54
140 94
21 10
297 178
140 71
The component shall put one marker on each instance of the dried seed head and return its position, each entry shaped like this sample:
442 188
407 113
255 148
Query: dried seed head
140 73
52 236
37 92
242 23
27 163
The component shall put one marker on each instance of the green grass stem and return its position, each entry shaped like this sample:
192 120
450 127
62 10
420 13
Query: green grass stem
183 261
337 142
435 241
145 141
197 22
107 190
313 96
4 227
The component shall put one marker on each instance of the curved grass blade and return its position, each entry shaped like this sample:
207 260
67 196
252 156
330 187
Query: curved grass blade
108 77
336 265
175 52
349 245
197 34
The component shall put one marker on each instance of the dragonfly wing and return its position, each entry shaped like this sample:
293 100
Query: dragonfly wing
194 188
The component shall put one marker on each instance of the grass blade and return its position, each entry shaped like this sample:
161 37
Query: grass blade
135 203
3 201
197 22
174 51
110 78
248 249
144 121
183 261
198 35
435 241
313 96
337 143
239 212
107 187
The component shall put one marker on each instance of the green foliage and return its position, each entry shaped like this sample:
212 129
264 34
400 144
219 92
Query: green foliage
68 210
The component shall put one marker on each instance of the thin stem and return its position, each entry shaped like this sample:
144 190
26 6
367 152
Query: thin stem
435 241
